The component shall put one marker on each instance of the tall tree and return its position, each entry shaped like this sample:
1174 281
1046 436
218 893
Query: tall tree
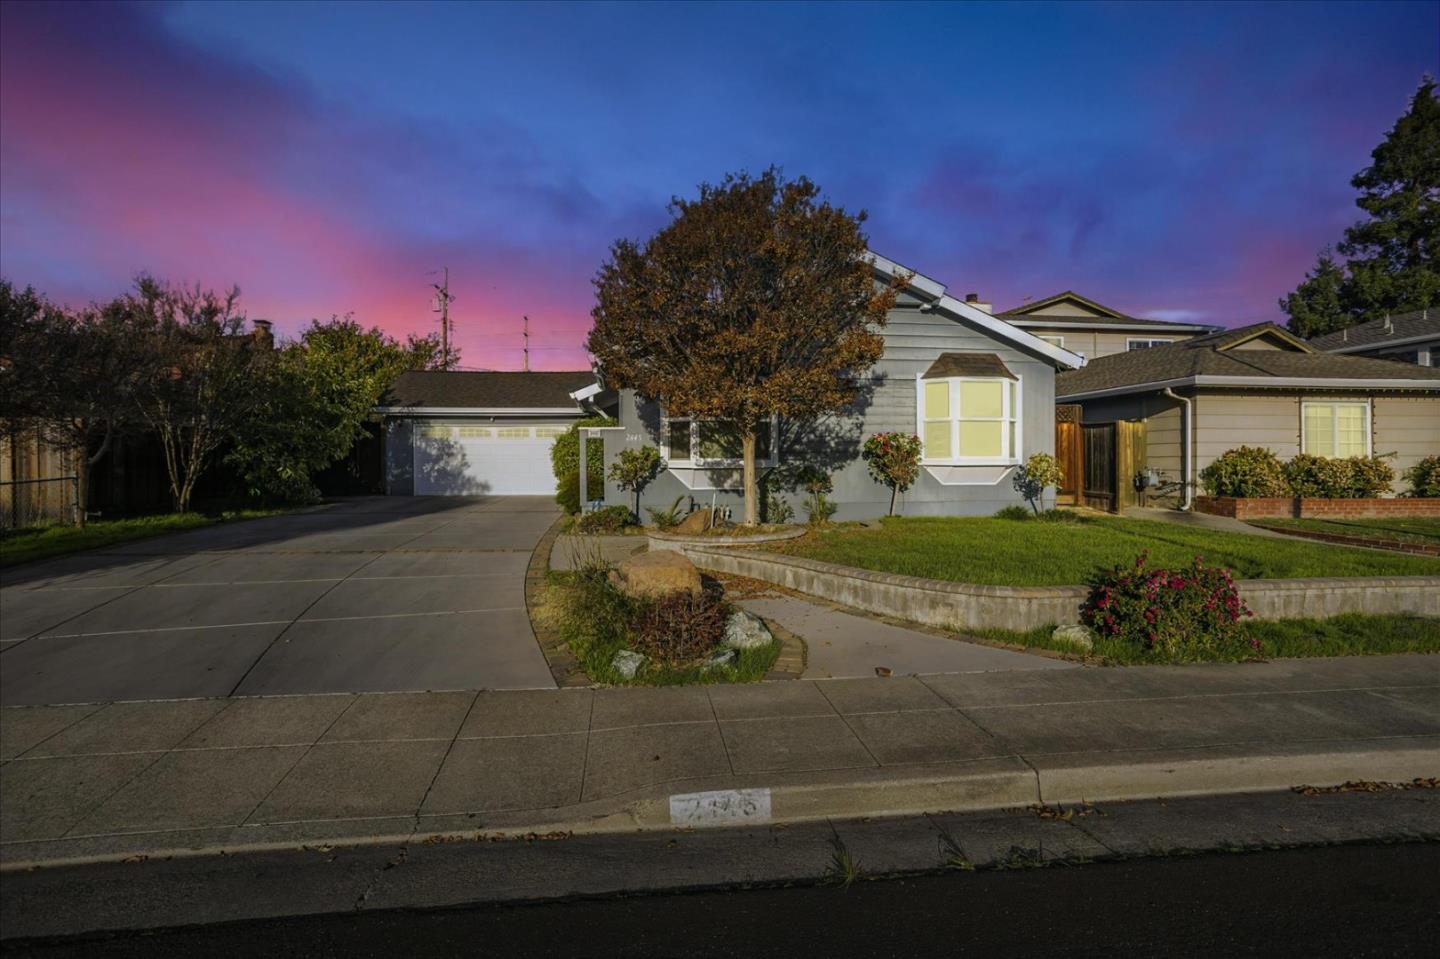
755 302
1390 257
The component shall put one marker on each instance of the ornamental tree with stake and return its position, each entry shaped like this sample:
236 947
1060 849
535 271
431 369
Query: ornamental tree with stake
894 460
1040 471
635 469
756 302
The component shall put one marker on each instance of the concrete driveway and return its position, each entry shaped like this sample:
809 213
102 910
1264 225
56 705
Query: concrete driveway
372 595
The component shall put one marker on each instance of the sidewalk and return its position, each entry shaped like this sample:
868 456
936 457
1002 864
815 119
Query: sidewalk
96 782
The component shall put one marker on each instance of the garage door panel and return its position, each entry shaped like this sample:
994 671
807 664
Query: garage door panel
499 458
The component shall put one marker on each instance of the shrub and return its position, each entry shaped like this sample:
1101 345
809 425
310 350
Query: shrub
1245 471
1060 516
679 628
1353 478
611 519
817 483
634 469
1040 471
1424 478
894 461
778 509
565 463
567 490
1013 512
669 517
1174 615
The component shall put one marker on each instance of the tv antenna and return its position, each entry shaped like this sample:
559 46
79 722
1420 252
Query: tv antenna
443 299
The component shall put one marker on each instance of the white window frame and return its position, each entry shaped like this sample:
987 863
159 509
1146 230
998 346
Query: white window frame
1305 405
1012 417
697 462
1052 339
1149 341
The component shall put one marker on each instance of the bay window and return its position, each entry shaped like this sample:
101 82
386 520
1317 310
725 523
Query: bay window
969 420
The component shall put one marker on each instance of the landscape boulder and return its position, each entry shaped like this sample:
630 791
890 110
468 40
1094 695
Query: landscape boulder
694 524
719 658
658 573
745 630
1078 636
627 663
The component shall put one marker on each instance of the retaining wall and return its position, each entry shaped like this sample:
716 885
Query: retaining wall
970 606
1290 507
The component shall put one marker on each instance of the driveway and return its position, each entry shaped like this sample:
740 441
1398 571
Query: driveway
371 595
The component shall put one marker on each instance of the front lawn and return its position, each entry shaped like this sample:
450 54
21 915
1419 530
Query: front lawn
1011 552
27 545
1350 634
1426 532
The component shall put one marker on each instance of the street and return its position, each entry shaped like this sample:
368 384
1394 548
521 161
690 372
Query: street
1357 900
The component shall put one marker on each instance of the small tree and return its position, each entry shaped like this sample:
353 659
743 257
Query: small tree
1040 472
634 469
758 301
894 460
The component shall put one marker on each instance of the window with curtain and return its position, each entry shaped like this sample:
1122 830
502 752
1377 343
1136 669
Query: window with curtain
1336 429
968 420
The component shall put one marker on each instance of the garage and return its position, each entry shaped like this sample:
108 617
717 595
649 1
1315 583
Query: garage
472 433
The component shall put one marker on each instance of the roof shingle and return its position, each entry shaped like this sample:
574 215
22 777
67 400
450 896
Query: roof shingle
1403 326
464 390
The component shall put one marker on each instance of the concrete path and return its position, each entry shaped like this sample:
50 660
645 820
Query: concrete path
843 645
225 774
374 594
1225 524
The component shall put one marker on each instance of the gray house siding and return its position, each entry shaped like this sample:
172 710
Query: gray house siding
913 341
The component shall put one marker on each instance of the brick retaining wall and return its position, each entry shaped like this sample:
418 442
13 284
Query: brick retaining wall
969 606
1290 507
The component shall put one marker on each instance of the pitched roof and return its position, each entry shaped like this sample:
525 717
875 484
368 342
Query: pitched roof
436 389
1206 358
968 364
1392 329
1108 316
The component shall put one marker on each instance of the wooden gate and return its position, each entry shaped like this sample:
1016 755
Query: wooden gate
1130 462
1098 489
1070 452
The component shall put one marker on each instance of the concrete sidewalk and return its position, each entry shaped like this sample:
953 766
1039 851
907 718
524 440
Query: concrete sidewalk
96 782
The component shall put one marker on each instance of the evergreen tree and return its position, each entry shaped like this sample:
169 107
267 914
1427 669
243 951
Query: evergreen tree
1318 305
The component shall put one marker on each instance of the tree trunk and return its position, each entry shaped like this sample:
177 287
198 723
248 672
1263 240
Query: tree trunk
747 445
892 500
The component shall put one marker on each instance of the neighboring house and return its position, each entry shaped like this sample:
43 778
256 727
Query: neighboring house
1184 404
978 390
1092 330
461 433
1408 337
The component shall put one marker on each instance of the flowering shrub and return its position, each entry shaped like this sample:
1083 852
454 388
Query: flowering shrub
1176 615
1357 477
1424 478
1245 471
894 460
1041 470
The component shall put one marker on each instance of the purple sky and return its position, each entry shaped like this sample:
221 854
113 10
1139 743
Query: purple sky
1180 161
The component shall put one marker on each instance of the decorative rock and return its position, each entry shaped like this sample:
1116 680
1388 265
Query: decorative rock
721 657
1078 636
658 573
745 630
696 522
627 663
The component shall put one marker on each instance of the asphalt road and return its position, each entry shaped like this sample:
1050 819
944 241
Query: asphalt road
1344 901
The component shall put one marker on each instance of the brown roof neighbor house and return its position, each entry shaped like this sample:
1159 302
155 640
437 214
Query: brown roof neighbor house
1409 337
1081 325
1255 386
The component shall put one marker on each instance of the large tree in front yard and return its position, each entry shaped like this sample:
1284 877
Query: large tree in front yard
756 302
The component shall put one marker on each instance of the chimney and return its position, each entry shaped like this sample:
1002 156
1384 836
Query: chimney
973 299
263 335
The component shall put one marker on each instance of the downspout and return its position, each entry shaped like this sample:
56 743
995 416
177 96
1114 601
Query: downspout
1187 470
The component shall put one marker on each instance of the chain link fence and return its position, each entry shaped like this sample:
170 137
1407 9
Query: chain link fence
53 500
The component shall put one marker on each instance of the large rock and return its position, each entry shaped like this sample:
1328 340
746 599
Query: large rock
693 524
627 663
1078 636
745 630
658 573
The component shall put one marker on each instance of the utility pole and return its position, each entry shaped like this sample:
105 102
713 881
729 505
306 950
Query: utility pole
527 344
442 306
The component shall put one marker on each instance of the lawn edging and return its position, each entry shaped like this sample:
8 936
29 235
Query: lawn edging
972 606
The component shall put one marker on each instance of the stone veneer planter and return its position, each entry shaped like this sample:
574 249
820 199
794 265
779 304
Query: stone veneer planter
658 540
970 606
1291 507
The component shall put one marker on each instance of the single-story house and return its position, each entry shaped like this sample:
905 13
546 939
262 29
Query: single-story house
455 433
979 391
1183 404
1092 330
1409 337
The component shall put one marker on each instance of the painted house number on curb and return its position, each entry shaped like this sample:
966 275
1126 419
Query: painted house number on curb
720 808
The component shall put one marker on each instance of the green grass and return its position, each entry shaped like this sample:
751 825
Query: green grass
593 618
1009 552
1350 634
1423 531
27 545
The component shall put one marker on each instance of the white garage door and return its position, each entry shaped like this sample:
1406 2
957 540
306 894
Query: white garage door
494 458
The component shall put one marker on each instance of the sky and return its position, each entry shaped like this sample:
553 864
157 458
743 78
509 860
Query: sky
1178 161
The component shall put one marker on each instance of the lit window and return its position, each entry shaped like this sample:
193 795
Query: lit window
970 420
1146 343
1336 429
438 432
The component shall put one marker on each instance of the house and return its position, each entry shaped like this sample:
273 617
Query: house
464 433
1408 337
1163 414
978 390
1090 329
